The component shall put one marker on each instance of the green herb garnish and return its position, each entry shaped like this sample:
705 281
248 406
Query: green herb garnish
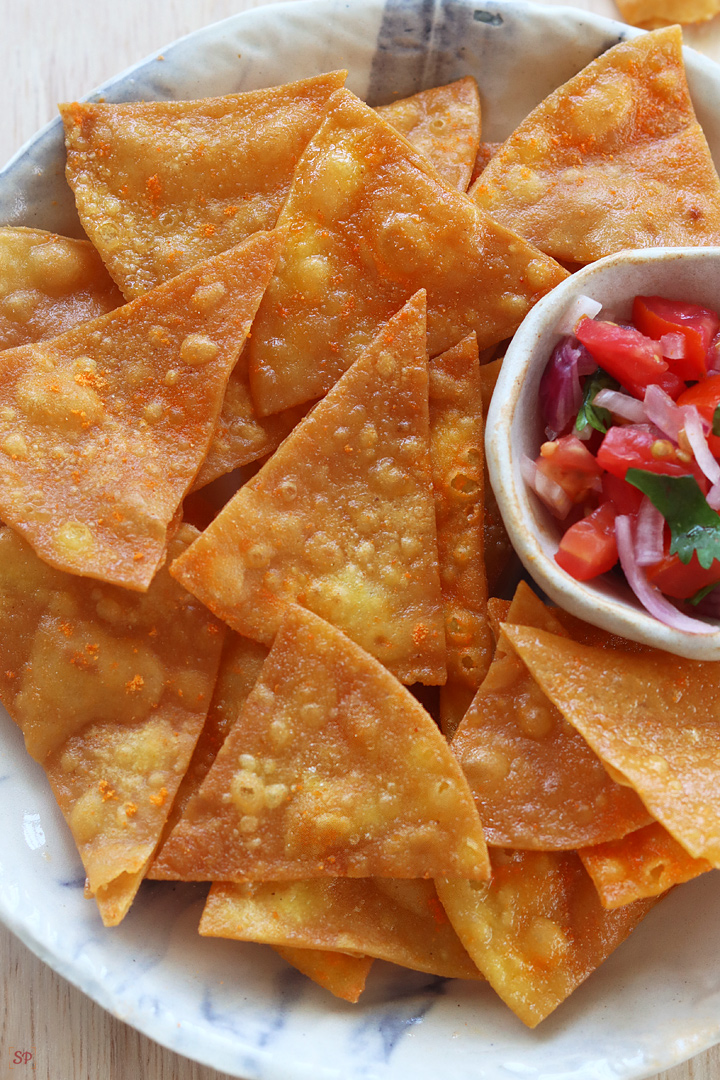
596 417
694 526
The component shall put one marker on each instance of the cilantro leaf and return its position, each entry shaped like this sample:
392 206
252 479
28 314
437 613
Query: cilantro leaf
694 526
716 421
593 415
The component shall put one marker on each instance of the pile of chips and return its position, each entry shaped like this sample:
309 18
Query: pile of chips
249 543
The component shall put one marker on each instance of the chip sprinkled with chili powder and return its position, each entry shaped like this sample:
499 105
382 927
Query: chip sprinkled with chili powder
341 518
103 429
332 769
110 689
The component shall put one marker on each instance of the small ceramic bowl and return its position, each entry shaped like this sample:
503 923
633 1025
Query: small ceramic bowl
515 428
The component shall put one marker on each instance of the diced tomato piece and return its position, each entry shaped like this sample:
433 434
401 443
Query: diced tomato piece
705 396
680 580
588 548
655 316
631 447
625 498
570 464
671 383
622 351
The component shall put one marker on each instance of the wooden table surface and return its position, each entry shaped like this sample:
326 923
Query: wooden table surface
50 51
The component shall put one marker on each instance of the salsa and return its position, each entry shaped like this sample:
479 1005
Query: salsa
631 464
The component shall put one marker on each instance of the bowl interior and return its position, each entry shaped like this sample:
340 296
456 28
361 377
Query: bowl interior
515 430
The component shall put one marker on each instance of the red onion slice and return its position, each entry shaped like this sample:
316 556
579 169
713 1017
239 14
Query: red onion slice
622 405
699 444
673 346
662 411
550 494
649 530
713 497
649 595
581 305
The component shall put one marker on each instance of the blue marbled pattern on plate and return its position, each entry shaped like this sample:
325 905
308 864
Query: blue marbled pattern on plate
238 1007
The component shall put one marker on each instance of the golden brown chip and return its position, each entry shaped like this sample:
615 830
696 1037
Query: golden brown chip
343 975
49 283
443 124
240 666
388 918
536 782
647 862
240 436
103 429
485 152
371 222
110 689
162 185
537 929
501 563
458 458
653 717
498 613
651 14
613 159
332 769
341 518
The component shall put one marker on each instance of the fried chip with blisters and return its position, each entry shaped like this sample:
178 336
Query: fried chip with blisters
240 435
370 222
537 929
163 185
240 666
652 716
49 283
651 14
458 459
332 769
443 124
613 159
536 782
485 153
103 429
647 862
387 918
341 974
341 518
110 689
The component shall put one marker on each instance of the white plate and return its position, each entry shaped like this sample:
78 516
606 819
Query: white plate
238 1007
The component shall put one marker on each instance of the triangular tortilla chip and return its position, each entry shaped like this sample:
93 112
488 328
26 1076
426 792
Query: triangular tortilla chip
103 429
647 862
110 689
458 457
343 975
651 14
443 124
485 153
332 769
49 283
399 921
613 159
240 436
498 613
162 185
370 222
536 782
240 666
341 518
653 717
537 930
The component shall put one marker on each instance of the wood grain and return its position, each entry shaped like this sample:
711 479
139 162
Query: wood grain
50 51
